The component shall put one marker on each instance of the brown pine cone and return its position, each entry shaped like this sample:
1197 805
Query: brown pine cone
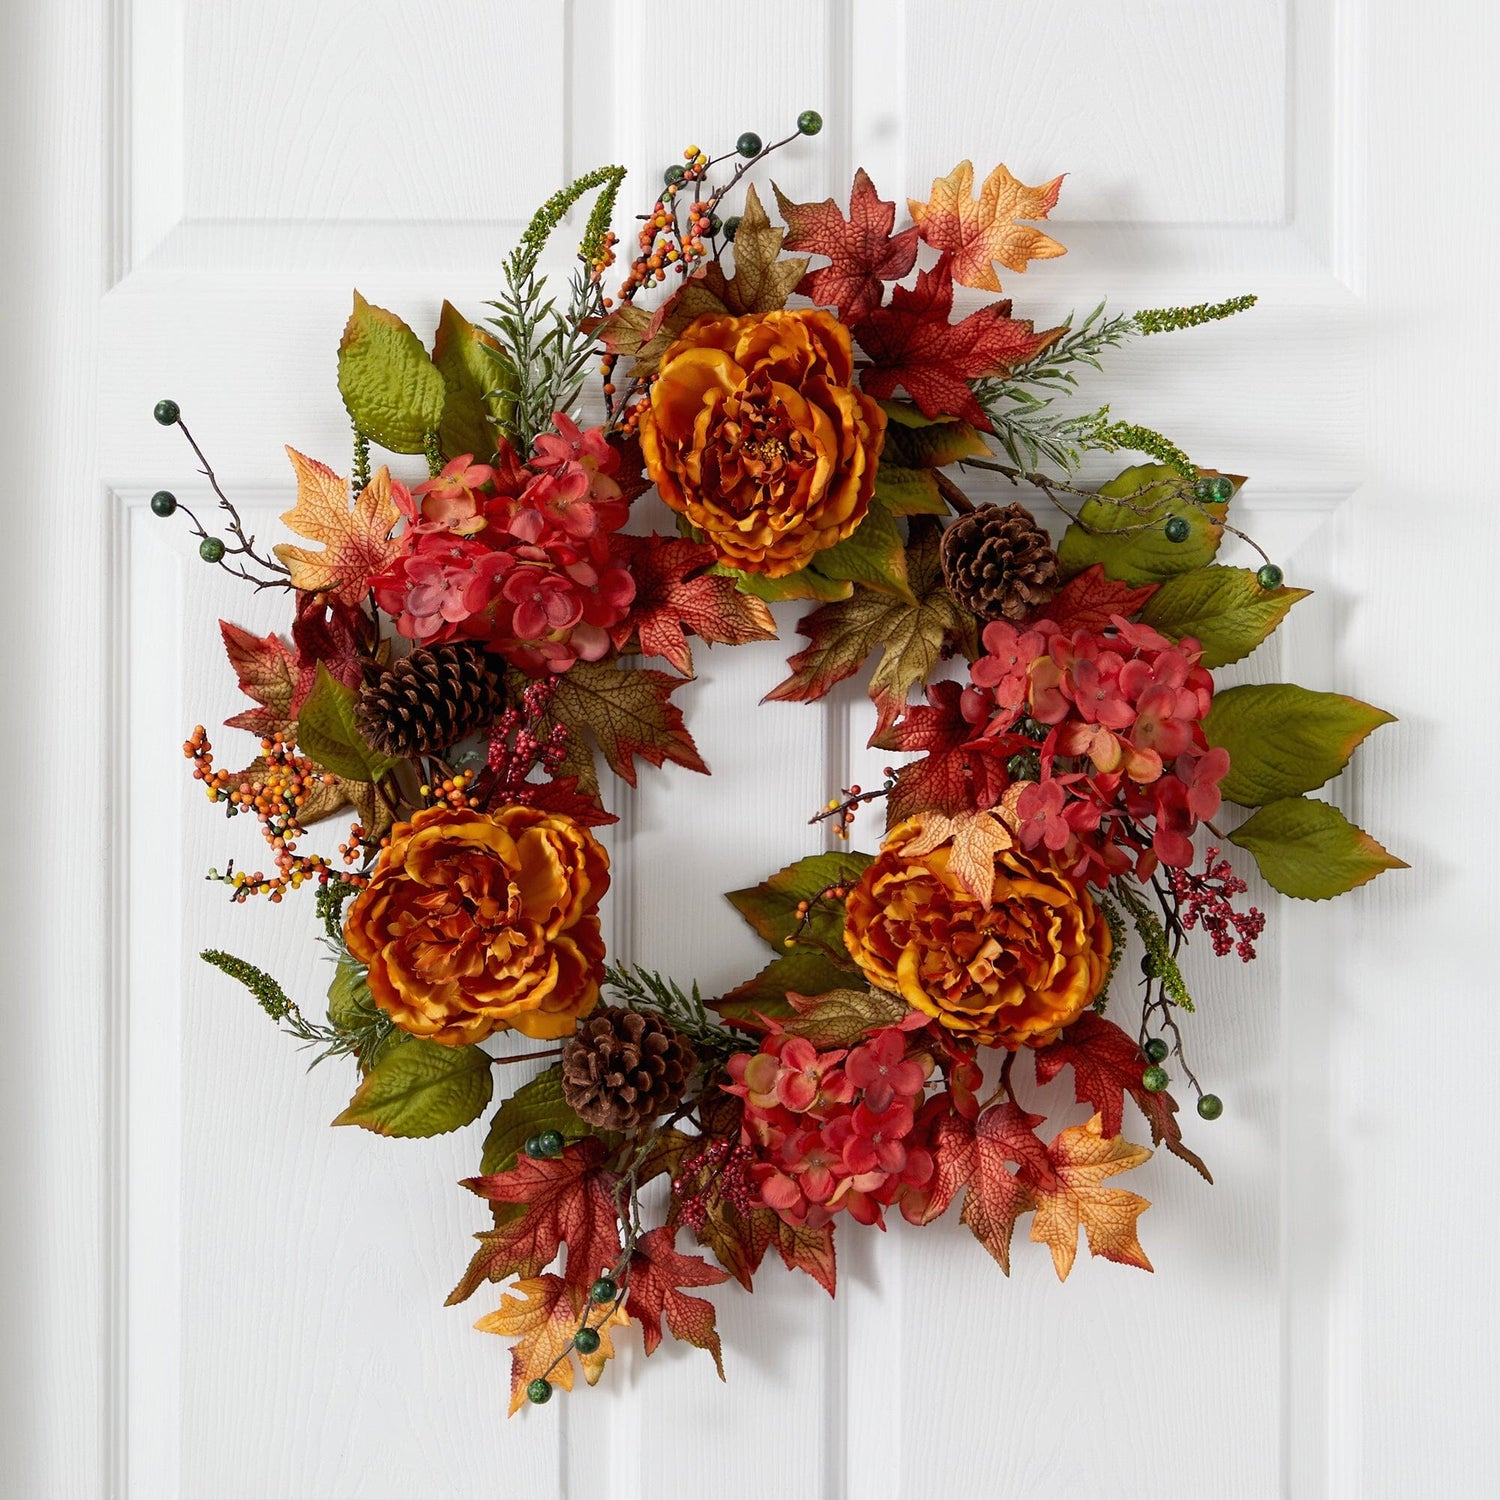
426 702
998 563
622 1068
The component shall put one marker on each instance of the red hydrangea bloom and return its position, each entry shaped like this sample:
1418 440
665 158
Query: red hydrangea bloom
827 1131
1123 773
519 556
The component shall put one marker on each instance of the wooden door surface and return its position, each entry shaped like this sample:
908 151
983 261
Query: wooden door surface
207 1293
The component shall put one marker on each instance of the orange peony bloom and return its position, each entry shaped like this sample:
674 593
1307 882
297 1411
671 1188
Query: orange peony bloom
476 922
754 433
1011 972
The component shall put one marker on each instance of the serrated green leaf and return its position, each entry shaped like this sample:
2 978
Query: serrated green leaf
536 1106
909 492
1284 740
800 970
1310 850
873 555
328 733
393 391
1225 608
915 441
805 583
472 365
1124 528
771 907
842 1017
420 1089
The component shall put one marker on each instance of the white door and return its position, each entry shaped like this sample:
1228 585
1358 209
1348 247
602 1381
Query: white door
207 1293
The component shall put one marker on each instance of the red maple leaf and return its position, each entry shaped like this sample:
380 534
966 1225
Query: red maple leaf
738 1240
564 1200
673 589
951 1142
806 1249
325 631
863 251
267 670
561 796
1107 1064
913 344
657 1270
997 1197
1087 600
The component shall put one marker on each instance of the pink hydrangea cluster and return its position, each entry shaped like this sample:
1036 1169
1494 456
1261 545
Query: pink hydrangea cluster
832 1130
519 556
1124 773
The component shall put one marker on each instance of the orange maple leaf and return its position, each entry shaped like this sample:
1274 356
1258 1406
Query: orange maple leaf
543 1313
1074 1194
980 231
977 838
357 540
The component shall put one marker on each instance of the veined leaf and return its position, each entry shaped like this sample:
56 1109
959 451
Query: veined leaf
328 733
915 441
873 555
393 391
422 1088
1310 850
472 365
1284 740
1226 609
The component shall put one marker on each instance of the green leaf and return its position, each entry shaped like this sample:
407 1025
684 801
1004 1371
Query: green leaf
909 492
393 391
806 583
800 970
874 555
1283 739
422 1088
914 441
841 1018
534 1107
350 1005
1126 528
472 365
1225 608
771 907
328 733
1311 850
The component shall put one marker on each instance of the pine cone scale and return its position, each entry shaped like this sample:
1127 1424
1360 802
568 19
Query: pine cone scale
623 1068
998 563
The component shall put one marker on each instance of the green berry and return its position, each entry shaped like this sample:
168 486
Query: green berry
163 503
748 144
1269 577
549 1143
715 224
533 1146
1203 489
673 175
586 1340
731 226
1157 1049
211 549
166 412
809 122
1154 1079
1222 488
539 1392
604 1290
1210 1106
1178 529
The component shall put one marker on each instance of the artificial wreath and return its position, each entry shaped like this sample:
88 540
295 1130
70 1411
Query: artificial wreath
462 649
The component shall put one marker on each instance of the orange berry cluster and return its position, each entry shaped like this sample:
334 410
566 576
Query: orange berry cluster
804 910
276 790
451 790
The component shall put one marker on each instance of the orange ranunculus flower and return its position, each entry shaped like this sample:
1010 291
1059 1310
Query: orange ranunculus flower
1010 972
754 433
476 922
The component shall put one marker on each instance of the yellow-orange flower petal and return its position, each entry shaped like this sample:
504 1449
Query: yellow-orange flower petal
1009 972
477 922
754 433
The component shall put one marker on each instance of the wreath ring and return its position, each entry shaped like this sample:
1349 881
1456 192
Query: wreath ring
462 649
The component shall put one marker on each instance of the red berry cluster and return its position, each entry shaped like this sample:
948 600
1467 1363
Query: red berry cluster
1206 898
719 1172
